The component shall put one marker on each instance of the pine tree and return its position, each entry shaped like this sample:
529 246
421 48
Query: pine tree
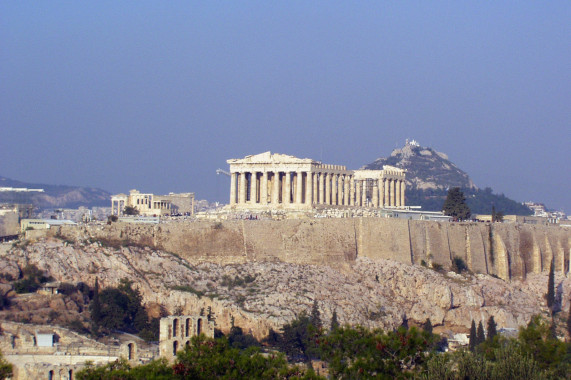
455 205
334 321
95 309
427 326
473 336
481 336
551 288
492 328
316 316
569 321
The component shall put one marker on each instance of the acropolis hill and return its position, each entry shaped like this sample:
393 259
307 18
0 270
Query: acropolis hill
504 250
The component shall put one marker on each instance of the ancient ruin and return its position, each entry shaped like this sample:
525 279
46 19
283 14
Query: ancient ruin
177 331
279 181
153 205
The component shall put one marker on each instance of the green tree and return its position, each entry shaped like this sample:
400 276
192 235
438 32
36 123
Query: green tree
130 210
334 321
121 369
492 328
473 337
296 338
550 296
5 368
427 326
455 205
316 316
360 353
569 321
215 359
95 309
481 336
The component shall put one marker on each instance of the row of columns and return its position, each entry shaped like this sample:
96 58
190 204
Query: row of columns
305 188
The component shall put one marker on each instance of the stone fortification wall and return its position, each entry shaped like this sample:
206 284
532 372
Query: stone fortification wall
504 250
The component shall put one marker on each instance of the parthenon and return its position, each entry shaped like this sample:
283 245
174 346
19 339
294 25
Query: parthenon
270 181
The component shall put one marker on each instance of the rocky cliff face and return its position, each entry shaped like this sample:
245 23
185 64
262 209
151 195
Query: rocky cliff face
266 294
508 251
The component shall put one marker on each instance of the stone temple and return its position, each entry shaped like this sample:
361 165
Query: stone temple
277 181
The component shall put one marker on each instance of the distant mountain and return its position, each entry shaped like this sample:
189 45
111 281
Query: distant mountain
429 176
54 196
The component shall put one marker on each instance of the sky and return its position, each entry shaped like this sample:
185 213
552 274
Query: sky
155 95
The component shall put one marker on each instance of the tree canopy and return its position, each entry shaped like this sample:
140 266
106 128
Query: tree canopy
455 205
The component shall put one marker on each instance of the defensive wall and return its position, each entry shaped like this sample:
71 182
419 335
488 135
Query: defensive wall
504 250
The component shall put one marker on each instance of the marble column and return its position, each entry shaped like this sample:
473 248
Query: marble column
398 203
299 188
352 191
365 188
276 188
334 189
242 188
264 189
286 196
327 189
253 188
308 188
386 183
358 193
393 193
321 188
381 192
315 188
402 192
346 190
375 194
233 177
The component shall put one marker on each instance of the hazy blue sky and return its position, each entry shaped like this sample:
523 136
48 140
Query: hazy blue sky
158 95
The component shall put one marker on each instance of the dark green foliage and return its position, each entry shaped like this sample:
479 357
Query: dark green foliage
550 296
479 201
497 216
569 321
296 338
32 279
5 368
334 321
189 289
459 265
215 359
492 328
130 210
237 339
473 337
237 281
359 353
455 205
480 335
67 288
316 316
121 309
4 301
121 369
427 326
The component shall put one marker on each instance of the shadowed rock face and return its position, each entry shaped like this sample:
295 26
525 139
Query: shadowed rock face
507 251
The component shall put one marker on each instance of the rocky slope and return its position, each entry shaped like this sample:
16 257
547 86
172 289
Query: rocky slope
263 295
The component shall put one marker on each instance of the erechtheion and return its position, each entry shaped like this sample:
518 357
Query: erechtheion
279 181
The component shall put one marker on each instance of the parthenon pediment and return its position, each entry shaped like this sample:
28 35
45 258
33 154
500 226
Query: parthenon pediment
271 158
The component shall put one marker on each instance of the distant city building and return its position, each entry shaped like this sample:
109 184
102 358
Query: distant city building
153 205
278 181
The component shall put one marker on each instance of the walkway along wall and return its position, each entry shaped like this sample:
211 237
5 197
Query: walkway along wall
504 250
